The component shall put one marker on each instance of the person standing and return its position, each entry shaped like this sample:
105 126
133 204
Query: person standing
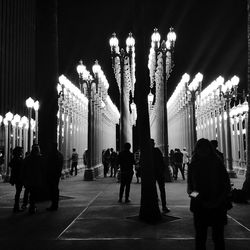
137 156
171 161
74 163
85 157
54 164
113 163
215 147
185 159
106 161
178 159
16 166
33 175
159 170
209 188
126 162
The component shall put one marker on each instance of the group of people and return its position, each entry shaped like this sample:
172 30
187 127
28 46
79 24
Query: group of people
208 183
34 173
179 161
109 160
208 186
126 160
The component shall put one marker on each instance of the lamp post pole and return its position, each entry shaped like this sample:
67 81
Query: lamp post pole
87 84
166 49
193 88
229 91
7 122
165 111
36 108
122 55
29 104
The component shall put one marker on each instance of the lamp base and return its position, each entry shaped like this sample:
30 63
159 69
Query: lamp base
232 174
88 174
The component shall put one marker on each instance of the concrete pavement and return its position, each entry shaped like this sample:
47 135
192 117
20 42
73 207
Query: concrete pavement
90 217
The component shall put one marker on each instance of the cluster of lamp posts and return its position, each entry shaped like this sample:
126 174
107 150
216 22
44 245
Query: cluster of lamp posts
195 113
19 131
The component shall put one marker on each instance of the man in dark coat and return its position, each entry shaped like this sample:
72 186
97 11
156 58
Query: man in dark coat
159 170
113 163
178 159
209 188
215 147
126 162
33 175
54 164
16 166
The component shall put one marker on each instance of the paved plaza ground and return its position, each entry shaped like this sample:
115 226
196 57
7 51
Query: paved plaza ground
90 217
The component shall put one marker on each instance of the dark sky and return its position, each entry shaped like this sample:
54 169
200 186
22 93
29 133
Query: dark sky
211 35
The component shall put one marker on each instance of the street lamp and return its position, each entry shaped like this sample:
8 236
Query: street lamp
228 90
7 122
15 122
160 65
193 89
29 105
123 62
88 83
36 108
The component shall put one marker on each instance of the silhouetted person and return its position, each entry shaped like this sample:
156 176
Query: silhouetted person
185 159
178 159
113 163
126 162
74 163
106 162
16 166
159 170
208 179
85 157
215 146
171 160
137 156
54 164
26 190
33 175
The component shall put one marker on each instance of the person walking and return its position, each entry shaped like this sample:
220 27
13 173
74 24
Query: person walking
171 161
137 156
209 188
16 166
26 190
54 164
178 159
126 162
113 163
106 161
33 175
185 159
74 163
159 170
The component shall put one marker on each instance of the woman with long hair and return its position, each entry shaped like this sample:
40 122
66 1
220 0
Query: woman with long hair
209 188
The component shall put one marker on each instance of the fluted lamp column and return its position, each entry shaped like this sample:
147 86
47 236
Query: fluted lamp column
7 123
229 91
29 105
166 50
88 85
119 56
